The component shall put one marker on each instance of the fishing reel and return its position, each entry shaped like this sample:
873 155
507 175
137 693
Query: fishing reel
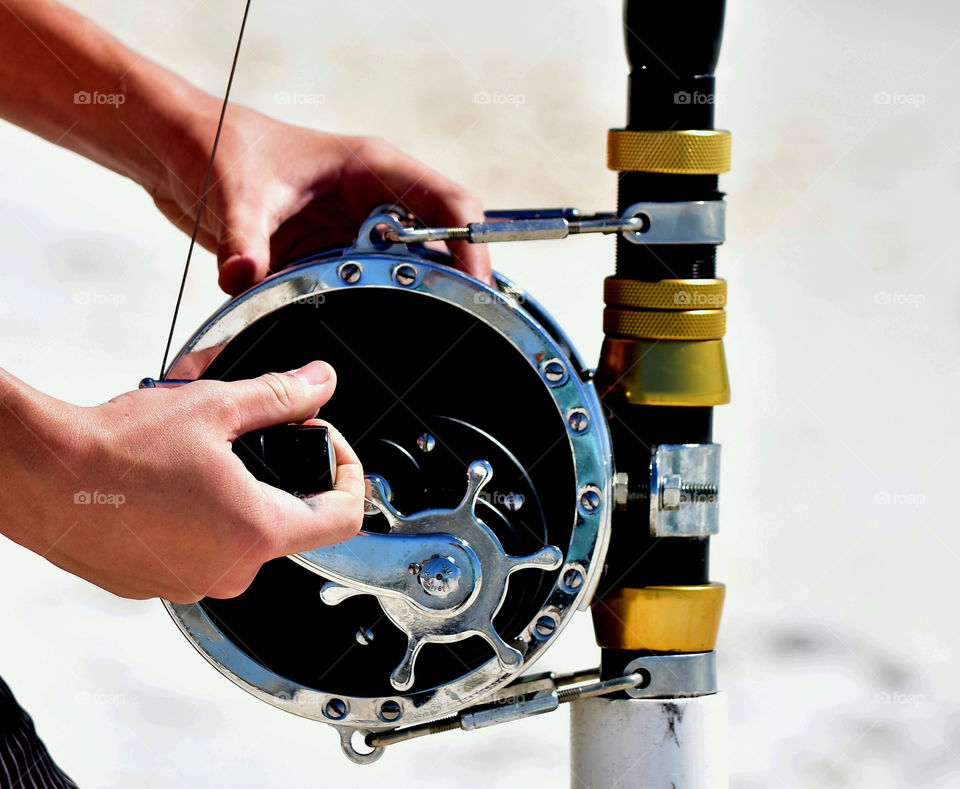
490 485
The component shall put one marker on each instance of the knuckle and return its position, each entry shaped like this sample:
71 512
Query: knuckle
233 586
373 149
281 389
349 525
256 522
226 405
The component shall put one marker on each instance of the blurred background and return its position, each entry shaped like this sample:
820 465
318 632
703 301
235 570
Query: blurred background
839 540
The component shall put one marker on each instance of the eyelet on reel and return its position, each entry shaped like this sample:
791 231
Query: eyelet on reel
440 381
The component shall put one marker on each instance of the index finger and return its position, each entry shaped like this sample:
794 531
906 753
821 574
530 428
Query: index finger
382 169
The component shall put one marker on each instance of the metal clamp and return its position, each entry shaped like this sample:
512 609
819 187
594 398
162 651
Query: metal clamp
674 676
684 490
695 222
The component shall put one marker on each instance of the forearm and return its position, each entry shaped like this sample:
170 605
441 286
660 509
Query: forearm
69 81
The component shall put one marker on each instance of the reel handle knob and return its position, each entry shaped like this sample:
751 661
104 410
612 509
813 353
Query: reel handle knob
299 459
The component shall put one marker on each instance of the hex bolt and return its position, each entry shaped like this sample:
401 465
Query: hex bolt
350 272
335 708
621 490
590 499
390 711
364 636
554 371
406 275
573 578
545 626
579 420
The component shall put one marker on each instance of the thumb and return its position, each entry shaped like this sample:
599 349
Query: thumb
243 255
277 398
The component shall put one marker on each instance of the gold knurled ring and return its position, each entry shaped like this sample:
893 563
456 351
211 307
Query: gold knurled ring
665 324
667 294
680 151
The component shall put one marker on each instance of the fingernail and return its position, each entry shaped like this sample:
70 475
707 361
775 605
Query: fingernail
237 273
315 373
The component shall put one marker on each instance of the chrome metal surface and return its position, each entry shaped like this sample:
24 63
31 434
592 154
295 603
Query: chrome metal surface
684 490
350 272
621 491
426 442
538 228
671 676
579 420
513 501
544 701
347 737
535 337
465 608
377 564
696 222
693 222
527 696
364 636
554 371
439 576
590 498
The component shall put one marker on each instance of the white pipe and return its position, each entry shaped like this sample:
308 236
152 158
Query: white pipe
649 743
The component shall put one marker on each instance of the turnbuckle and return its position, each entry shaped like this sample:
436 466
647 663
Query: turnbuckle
527 696
693 222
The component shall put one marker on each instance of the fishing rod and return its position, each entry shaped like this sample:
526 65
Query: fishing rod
662 370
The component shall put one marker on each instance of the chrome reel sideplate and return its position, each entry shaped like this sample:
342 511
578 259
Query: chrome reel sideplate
445 385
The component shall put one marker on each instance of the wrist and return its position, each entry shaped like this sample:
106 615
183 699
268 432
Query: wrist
172 120
40 460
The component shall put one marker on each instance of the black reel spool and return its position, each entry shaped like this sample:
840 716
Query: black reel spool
436 372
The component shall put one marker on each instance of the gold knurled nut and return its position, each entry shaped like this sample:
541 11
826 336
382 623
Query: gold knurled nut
660 618
665 324
679 151
667 294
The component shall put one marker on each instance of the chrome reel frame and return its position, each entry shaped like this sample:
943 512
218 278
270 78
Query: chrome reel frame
544 346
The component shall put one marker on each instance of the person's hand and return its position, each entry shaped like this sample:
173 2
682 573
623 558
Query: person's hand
280 191
143 495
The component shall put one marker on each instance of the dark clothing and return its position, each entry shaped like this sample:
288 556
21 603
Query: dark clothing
24 761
